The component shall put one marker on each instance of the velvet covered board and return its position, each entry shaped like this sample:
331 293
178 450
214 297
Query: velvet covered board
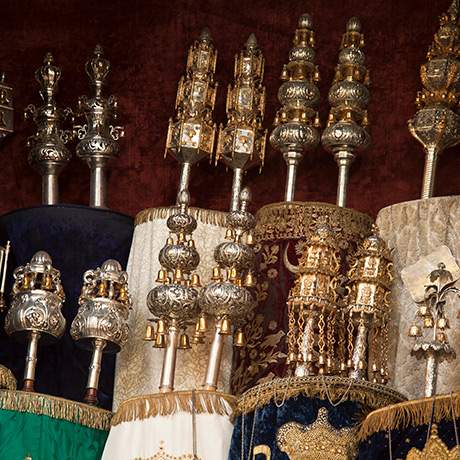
77 238
147 41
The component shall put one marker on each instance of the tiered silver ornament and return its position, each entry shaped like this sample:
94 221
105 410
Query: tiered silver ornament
101 324
297 121
47 151
227 298
191 134
98 136
6 108
173 302
346 133
436 125
35 311
431 340
241 143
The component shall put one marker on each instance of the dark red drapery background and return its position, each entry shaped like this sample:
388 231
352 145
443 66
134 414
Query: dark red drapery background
147 41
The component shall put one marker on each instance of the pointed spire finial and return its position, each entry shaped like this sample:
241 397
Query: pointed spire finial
251 43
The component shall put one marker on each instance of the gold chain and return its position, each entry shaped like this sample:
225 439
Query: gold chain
291 331
301 331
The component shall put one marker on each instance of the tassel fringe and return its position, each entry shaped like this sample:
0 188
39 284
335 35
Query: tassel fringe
59 408
204 216
7 379
370 395
143 407
410 413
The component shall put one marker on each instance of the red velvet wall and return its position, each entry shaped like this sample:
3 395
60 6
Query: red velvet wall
147 41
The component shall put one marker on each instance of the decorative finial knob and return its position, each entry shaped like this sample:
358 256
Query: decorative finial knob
251 43
184 198
246 195
305 21
41 258
112 266
48 76
205 35
354 25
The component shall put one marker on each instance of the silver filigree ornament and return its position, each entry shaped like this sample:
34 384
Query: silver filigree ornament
297 121
35 312
6 108
227 299
174 302
101 322
47 151
98 136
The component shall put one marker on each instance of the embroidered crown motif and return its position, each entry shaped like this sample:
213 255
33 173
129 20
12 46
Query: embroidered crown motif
434 449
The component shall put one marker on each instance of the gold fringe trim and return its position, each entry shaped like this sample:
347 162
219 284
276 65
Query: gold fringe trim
7 379
370 395
204 216
58 408
410 413
147 406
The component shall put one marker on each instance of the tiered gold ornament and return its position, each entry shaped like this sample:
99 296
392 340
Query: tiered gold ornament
47 151
174 303
101 322
431 340
191 134
328 329
346 132
98 137
297 121
35 311
436 125
241 143
227 299
6 108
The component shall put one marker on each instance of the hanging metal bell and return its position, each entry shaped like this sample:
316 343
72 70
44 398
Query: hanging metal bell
184 342
160 341
239 339
225 326
161 327
162 276
149 333
415 331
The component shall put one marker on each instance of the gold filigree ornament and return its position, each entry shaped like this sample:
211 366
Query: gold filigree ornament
320 440
434 449
162 455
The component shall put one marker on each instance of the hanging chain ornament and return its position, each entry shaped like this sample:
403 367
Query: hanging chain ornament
101 324
241 143
297 121
346 132
191 134
174 302
436 125
432 342
6 108
35 311
227 298
98 137
47 151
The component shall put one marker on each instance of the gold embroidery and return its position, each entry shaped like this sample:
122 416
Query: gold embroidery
162 455
320 440
7 379
262 449
434 449
204 216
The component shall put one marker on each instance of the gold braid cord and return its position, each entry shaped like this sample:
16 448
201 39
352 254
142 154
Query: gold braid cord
7 379
58 408
204 216
160 404
410 413
370 395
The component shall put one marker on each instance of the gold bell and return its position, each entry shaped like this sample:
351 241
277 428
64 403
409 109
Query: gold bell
48 282
249 281
181 237
229 234
191 243
317 121
161 327
123 296
196 280
102 291
160 341
428 322
284 73
202 325
233 274
415 331
249 239
149 333
177 274
184 342
292 358
310 357
239 339
216 274
26 282
162 276
423 310
225 326
169 241
443 323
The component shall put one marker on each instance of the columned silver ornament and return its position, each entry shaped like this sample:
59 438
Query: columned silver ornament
35 312
47 151
98 136
101 324
297 120
346 132
191 133
227 299
6 108
241 143
436 125
431 340
173 303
